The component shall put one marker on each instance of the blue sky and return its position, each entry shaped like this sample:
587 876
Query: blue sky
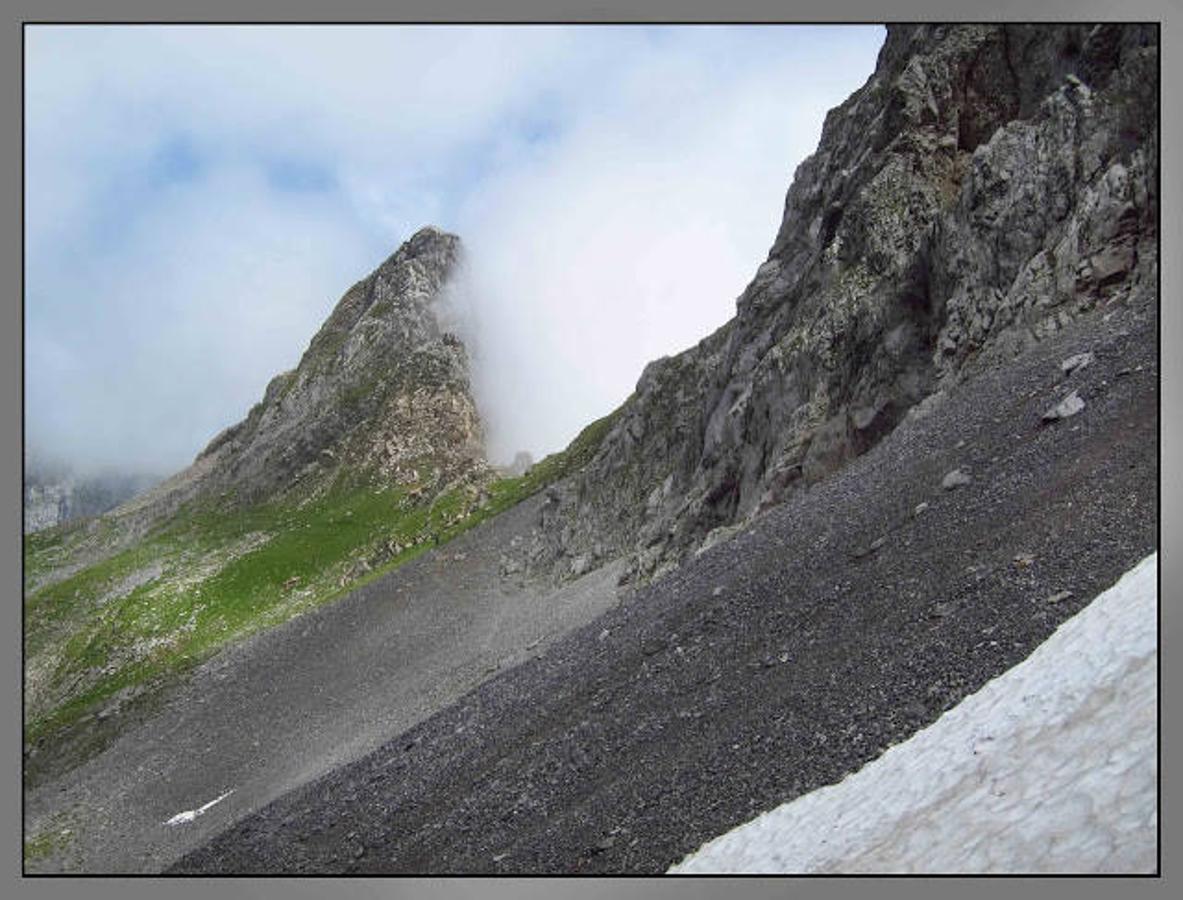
198 198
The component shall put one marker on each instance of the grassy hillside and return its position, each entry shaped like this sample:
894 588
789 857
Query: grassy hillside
111 632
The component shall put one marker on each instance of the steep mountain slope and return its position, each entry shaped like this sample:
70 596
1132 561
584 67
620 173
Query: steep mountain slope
295 701
987 185
1048 766
834 626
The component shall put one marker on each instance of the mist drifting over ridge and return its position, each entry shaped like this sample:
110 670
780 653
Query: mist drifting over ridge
190 223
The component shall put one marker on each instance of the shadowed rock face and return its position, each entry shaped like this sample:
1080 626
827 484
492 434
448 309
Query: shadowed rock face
382 393
984 187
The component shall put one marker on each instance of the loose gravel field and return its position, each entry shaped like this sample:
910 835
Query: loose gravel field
837 625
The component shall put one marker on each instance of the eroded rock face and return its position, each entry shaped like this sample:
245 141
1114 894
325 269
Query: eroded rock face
382 393
984 187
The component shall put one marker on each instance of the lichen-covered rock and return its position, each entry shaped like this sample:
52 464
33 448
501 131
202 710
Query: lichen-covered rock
985 186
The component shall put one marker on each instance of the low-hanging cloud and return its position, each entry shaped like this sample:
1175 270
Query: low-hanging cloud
198 198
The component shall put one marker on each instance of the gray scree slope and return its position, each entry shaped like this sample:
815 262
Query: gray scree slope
290 704
836 625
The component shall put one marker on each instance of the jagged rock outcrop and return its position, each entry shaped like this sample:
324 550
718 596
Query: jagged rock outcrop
986 185
382 389
381 394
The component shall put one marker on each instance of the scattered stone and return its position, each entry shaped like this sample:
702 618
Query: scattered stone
1066 408
920 508
1059 597
606 844
955 479
717 592
1024 559
500 856
652 646
1077 361
877 543
603 635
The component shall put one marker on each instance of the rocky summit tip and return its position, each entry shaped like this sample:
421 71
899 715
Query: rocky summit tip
429 244
429 234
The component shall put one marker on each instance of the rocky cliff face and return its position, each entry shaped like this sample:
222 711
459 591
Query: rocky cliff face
381 395
985 186
46 505
54 494
50 502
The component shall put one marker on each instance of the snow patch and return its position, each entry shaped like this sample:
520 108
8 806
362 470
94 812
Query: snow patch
1051 767
190 814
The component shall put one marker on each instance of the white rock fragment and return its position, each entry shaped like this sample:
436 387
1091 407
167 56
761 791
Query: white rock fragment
1076 361
955 479
1065 409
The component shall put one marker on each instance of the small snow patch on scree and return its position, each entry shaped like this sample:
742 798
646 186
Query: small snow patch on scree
190 814
1051 767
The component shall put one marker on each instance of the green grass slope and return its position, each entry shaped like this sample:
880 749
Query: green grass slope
110 634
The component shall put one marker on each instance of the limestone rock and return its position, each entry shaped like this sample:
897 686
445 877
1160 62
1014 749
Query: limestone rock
1076 362
1066 408
955 479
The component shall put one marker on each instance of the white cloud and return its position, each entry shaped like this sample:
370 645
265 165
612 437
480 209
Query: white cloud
616 189
633 235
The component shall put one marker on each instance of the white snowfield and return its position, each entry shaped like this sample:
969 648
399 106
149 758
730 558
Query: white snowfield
1049 768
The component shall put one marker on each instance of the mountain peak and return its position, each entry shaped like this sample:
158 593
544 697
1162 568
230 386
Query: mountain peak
381 395
434 249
